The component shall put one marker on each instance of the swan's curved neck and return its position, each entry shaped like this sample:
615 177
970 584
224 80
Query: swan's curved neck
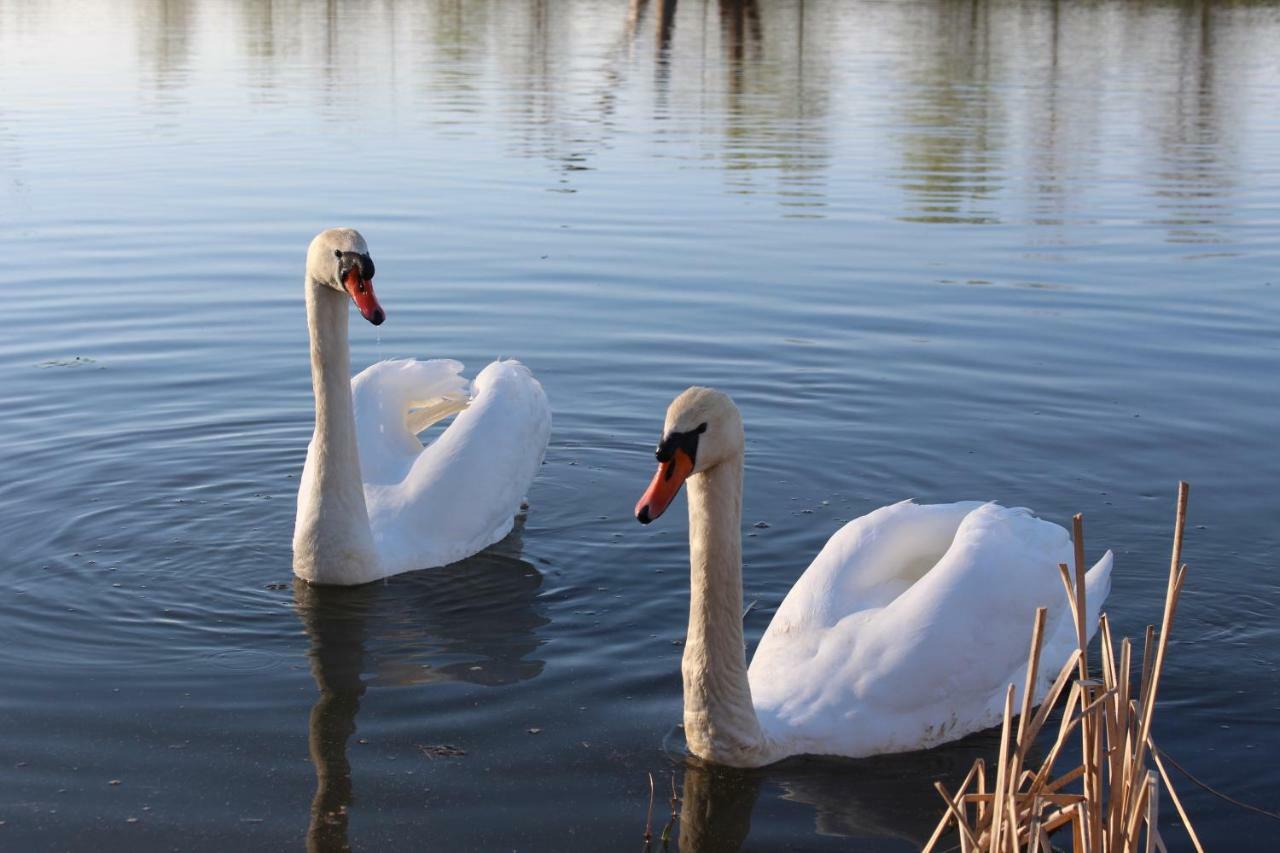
719 718
331 371
332 542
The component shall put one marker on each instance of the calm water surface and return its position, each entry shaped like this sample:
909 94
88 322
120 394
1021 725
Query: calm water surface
943 250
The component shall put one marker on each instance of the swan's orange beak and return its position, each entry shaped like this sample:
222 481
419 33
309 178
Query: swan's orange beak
361 290
666 484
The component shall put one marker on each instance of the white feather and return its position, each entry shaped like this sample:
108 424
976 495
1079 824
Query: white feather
909 626
429 506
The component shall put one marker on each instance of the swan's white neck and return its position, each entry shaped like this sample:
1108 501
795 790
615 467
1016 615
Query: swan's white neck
331 540
720 722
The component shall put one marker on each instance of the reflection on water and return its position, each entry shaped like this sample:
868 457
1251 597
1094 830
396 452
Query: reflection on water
954 126
976 87
164 41
980 79
475 621
715 807
886 801
1193 174
889 797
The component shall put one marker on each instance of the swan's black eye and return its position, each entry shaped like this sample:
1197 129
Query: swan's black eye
686 441
348 261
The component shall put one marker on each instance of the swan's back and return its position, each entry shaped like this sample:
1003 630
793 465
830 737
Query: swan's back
910 624
870 561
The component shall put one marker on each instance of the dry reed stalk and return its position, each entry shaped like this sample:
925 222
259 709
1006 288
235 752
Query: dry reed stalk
1117 807
1065 728
946 816
982 786
1056 799
967 840
1173 795
1064 779
1002 770
1047 705
1033 826
1176 576
1153 812
1029 689
648 821
671 821
1079 825
1088 727
1134 822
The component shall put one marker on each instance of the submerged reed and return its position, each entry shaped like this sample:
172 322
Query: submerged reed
1113 806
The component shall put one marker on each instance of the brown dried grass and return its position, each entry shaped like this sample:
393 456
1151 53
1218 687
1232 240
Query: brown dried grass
1116 806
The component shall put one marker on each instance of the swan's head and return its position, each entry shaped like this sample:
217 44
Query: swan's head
703 429
338 258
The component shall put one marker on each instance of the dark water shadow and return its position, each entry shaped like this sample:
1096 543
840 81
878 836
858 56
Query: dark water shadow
474 621
889 796
873 800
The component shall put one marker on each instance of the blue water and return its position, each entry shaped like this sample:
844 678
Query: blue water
942 250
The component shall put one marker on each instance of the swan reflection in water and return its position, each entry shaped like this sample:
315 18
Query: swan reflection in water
475 621
870 800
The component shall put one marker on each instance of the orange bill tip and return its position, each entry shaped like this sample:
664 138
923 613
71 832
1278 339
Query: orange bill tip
361 290
666 484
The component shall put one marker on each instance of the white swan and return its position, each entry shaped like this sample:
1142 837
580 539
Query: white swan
904 633
414 507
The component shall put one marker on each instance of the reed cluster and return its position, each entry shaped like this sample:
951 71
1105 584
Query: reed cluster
1110 801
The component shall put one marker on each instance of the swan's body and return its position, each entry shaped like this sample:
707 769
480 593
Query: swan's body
903 634
373 501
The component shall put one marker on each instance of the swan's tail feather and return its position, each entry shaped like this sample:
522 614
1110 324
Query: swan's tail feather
421 415
1097 586
395 400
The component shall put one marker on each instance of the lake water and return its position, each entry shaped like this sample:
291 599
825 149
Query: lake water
942 250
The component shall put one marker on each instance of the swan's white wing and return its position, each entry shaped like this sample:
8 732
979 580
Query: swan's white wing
867 563
462 492
387 398
928 663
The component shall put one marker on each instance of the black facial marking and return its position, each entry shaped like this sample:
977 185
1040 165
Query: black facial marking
348 261
686 441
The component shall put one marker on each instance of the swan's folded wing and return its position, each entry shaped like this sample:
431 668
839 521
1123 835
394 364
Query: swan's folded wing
868 562
959 636
463 491
933 662
394 401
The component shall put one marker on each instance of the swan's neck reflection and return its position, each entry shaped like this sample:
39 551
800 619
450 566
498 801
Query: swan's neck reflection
337 660
715 811
474 621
